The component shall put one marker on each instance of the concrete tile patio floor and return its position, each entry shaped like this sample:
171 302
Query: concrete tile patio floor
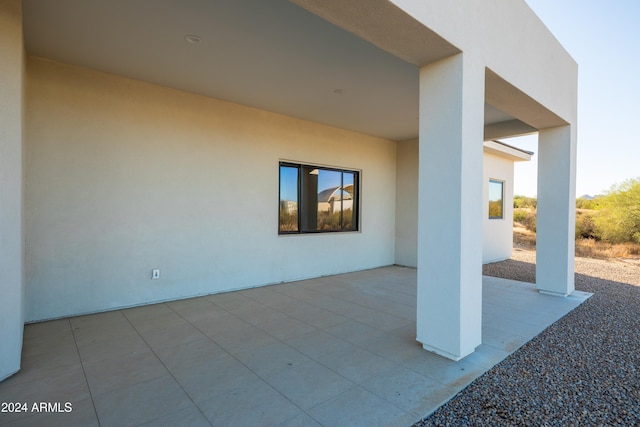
333 351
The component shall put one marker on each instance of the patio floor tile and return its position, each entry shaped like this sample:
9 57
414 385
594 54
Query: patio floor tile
172 335
317 343
308 384
188 354
110 374
337 350
101 350
354 332
254 404
302 420
141 402
410 391
359 407
453 374
271 358
190 416
213 377
154 320
243 338
356 364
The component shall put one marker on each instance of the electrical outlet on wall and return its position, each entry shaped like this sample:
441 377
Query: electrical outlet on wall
155 273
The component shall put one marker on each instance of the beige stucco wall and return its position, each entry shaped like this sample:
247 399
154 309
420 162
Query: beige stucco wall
11 184
498 31
407 204
124 176
497 242
497 234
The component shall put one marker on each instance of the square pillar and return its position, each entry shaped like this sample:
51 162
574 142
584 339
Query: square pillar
11 182
556 221
449 301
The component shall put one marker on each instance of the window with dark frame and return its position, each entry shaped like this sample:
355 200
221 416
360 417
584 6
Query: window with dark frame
317 199
496 199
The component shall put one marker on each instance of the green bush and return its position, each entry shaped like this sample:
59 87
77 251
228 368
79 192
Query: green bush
520 215
612 218
526 217
618 218
520 202
582 203
585 225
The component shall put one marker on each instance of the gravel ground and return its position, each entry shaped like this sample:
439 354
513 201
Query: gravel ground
583 370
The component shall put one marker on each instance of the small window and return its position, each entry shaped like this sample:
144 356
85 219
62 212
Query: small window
316 199
496 199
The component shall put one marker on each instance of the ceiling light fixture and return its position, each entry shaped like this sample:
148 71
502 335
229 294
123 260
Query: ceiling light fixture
193 39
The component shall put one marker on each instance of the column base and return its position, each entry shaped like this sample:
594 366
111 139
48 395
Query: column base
552 293
444 353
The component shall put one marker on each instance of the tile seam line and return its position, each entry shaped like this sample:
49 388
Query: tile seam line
166 367
84 373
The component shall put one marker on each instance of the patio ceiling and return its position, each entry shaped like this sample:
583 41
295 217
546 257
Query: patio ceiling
271 55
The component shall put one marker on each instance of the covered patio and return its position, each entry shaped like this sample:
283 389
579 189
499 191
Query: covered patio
336 350
141 144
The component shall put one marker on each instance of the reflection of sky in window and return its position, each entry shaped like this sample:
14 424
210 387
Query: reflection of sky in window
495 190
288 183
326 179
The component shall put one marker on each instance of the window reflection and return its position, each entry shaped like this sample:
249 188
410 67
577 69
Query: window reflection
288 199
328 199
496 199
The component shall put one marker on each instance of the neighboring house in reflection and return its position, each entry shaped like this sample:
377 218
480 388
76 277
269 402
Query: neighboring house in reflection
335 199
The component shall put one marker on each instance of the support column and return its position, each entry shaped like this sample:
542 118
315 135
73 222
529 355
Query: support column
556 222
11 236
449 302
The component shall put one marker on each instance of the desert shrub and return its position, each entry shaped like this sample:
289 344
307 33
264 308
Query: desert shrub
331 220
597 249
288 221
526 217
520 215
495 209
582 203
520 202
618 218
585 224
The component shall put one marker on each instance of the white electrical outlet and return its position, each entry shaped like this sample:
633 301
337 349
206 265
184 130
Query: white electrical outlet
155 273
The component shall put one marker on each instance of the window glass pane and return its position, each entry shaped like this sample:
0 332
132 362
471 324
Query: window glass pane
309 198
496 205
348 199
288 198
329 200
316 199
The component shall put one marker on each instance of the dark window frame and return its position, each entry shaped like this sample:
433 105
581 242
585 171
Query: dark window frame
301 198
502 188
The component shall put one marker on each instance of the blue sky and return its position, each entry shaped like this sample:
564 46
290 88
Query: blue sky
326 179
604 39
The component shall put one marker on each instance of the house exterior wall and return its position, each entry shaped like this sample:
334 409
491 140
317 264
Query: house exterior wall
123 177
544 70
407 204
497 234
11 186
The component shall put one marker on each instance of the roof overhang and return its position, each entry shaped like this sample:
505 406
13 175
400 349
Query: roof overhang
507 151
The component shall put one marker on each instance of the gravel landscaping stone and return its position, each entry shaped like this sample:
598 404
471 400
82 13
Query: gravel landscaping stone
583 370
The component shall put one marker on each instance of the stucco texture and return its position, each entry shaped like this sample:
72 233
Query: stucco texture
11 186
124 176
